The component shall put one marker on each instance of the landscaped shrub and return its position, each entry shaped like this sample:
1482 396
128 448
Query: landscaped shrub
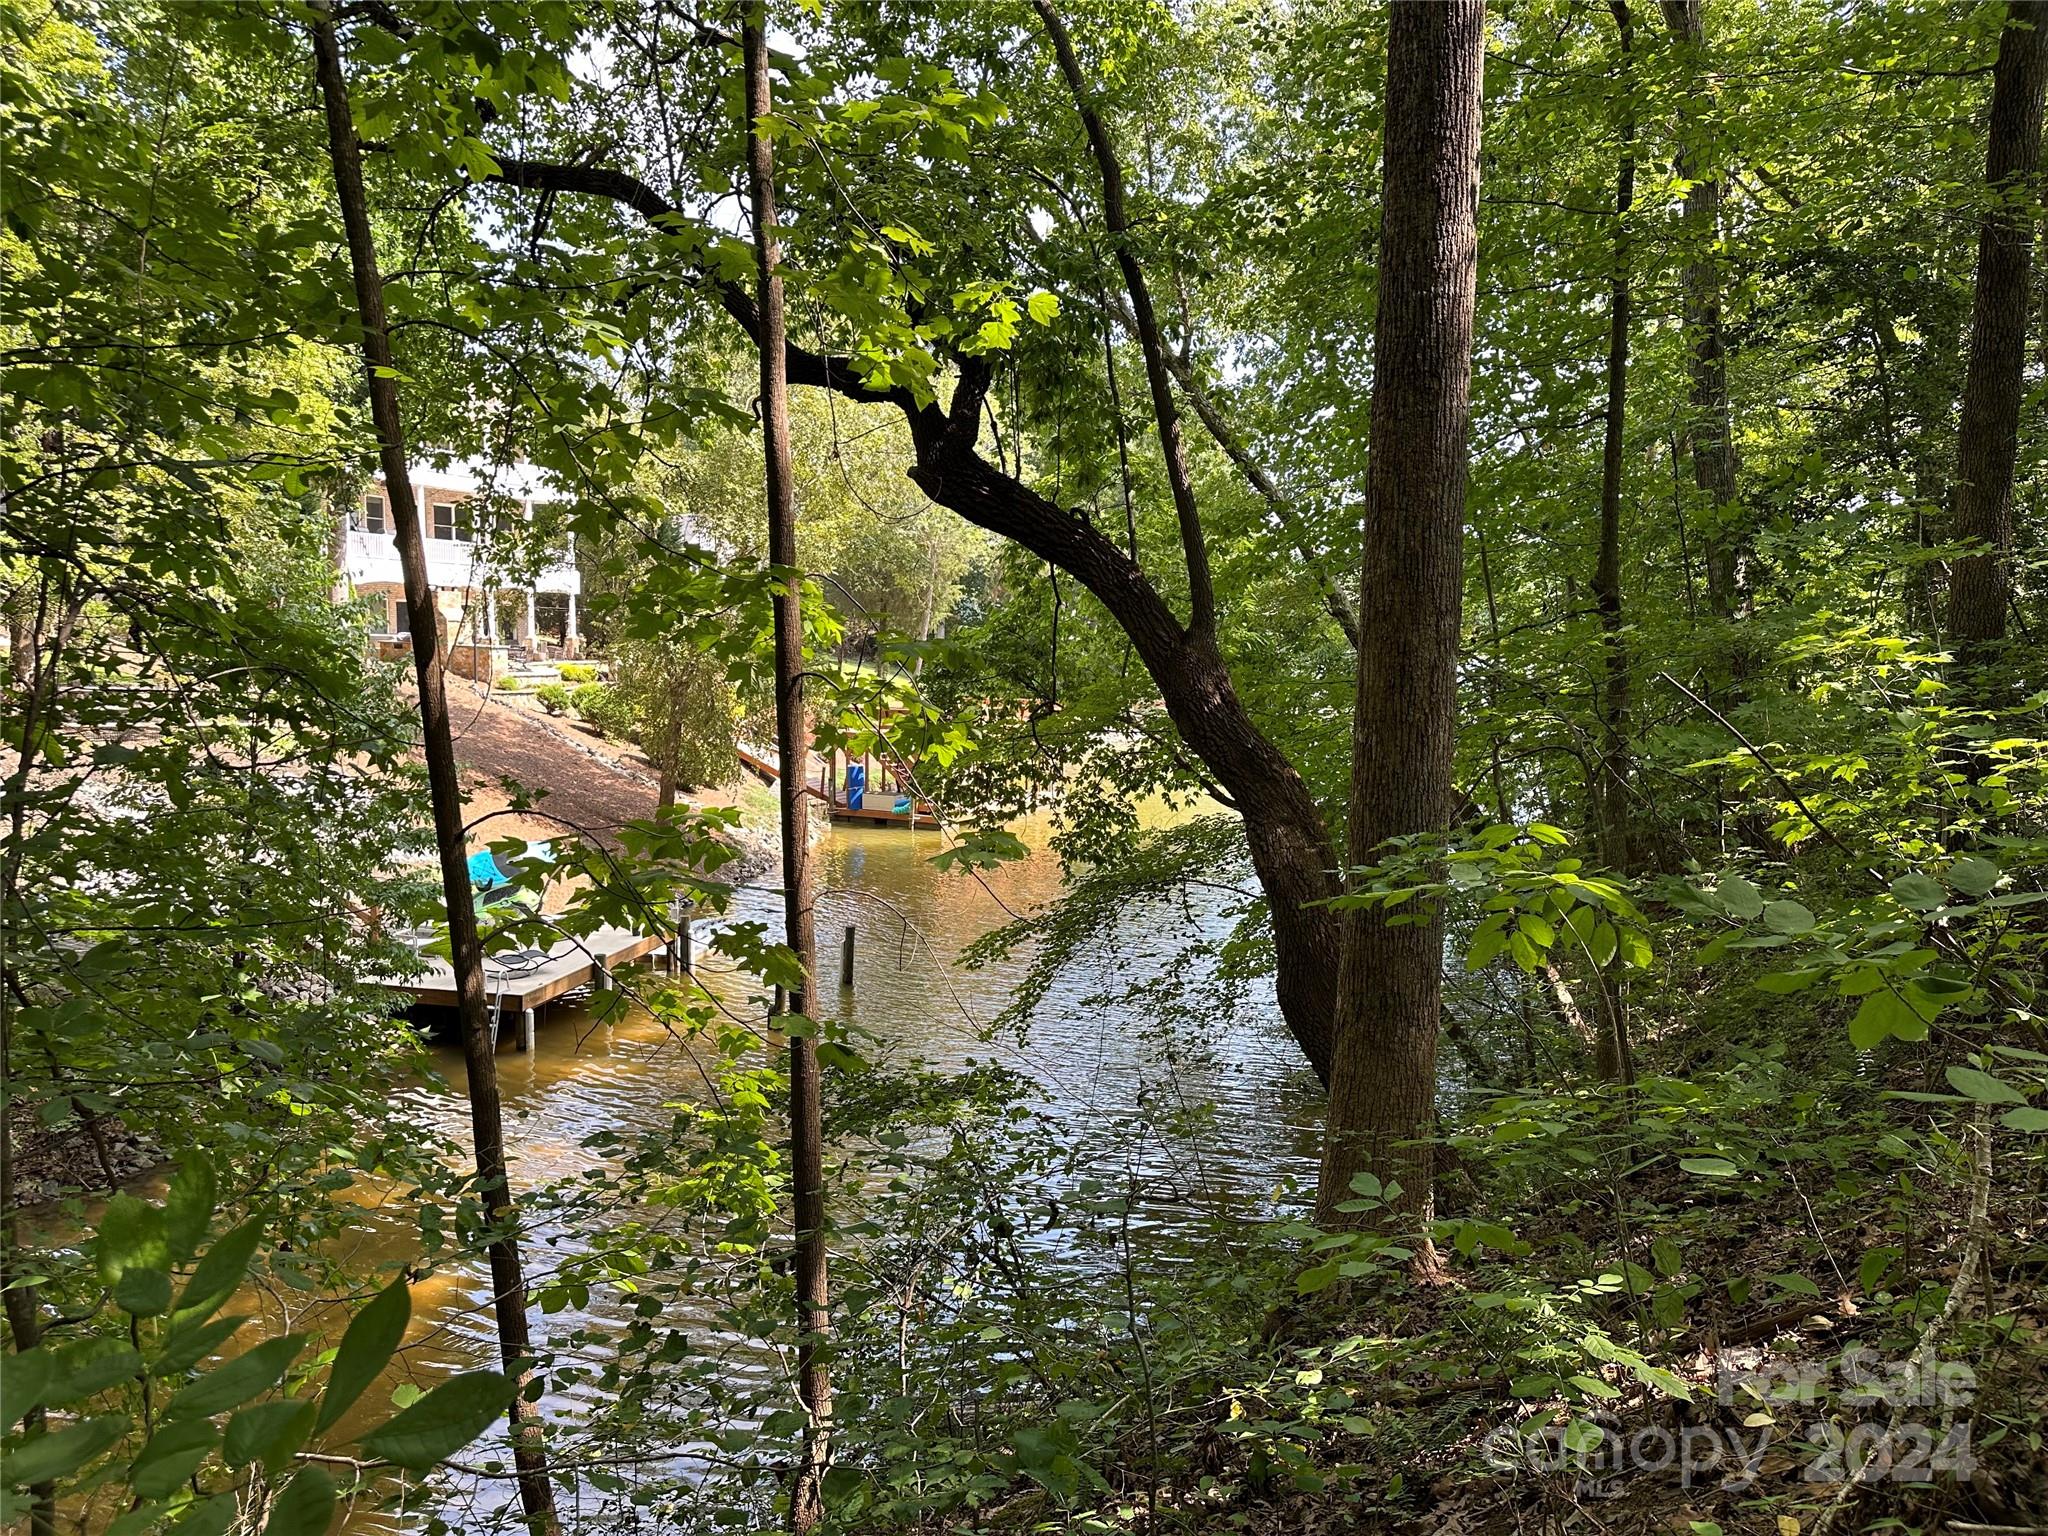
510 684
554 698
577 672
604 707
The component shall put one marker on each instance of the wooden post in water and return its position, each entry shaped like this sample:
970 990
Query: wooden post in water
528 1018
846 959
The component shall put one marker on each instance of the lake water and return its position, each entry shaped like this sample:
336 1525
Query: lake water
1092 1064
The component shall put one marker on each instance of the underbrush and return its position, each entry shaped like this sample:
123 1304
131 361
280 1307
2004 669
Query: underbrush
1728 1301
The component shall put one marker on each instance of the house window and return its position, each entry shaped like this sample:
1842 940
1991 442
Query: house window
401 621
444 519
373 514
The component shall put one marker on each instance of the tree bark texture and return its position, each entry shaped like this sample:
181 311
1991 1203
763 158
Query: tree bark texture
793 741
479 1037
1411 587
1987 438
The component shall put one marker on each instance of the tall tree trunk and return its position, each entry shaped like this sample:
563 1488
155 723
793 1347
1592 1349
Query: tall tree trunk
36 696
479 1037
793 741
1709 432
1611 798
1987 439
1411 587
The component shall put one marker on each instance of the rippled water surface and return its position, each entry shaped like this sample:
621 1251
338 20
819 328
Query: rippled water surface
1090 1063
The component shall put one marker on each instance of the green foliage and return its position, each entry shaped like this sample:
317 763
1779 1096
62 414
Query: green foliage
177 1462
553 697
604 707
577 672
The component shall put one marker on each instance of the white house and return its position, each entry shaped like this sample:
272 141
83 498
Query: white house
464 510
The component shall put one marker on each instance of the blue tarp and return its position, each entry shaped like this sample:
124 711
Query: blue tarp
856 784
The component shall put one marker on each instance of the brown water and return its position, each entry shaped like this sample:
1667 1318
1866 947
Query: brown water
1091 1065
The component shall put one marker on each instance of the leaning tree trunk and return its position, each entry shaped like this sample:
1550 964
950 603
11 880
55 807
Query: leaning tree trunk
479 1037
793 741
1987 439
1383 1079
1610 800
1284 828
1710 430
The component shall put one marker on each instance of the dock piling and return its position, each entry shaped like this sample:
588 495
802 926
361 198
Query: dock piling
846 959
527 1019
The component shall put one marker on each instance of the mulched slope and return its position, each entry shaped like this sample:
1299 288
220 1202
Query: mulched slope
495 741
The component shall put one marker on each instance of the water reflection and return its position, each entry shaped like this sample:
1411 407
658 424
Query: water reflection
1096 1070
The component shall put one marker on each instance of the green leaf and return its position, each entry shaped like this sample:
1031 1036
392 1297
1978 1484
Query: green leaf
1973 876
1983 1087
1883 1015
2025 1118
839 1058
89 1367
1870 1273
1788 917
268 1432
305 1508
172 1455
1583 1436
193 1342
188 1208
1738 897
209 1517
234 1382
131 1243
28 1382
1043 307
221 1272
143 1292
1796 1285
1787 981
1709 1167
372 1337
1918 893
46 1458
442 1422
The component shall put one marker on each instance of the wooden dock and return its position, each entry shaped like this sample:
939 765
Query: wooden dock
522 982
921 820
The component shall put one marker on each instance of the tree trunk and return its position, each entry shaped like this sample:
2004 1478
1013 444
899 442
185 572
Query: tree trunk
1987 438
37 696
1709 432
793 741
479 1041
1611 797
1411 586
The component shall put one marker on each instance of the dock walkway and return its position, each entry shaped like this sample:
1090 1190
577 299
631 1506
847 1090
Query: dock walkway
523 981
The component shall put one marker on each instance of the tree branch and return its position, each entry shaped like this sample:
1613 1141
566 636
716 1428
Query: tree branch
1201 587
